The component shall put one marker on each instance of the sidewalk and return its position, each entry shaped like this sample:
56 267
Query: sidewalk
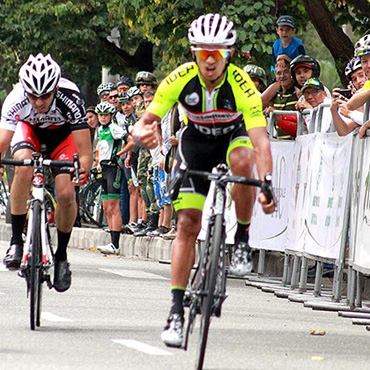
130 246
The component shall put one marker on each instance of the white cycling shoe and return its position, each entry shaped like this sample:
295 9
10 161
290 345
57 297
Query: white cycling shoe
241 262
172 335
108 249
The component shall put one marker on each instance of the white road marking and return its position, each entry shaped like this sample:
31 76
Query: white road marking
3 268
142 347
49 316
135 274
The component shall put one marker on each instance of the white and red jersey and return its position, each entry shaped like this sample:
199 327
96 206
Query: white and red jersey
68 108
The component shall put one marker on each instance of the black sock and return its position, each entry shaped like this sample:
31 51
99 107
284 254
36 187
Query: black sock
242 231
63 239
115 238
18 222
177 300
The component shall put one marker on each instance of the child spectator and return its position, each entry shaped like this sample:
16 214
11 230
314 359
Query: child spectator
135 95
110 140
287 44
257 75
355 75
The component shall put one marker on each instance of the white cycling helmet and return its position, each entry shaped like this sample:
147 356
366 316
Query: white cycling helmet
362 46
39 75
353 65
105 86
212 29
105 108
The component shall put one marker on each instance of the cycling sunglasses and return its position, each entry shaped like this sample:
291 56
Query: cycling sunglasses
41 97
217 54
122 88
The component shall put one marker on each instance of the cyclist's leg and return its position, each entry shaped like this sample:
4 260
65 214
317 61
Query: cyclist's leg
23 144
66 210
240 157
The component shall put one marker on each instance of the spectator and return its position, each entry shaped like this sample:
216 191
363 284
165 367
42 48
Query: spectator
302 68
110 139
362 50
314 94
145 177
103 91
257 75
136 96
123 84
287 44
355 74
284 97
92 121
145 81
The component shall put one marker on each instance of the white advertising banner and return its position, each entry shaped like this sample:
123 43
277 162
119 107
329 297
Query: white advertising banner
270 231
327 195
300 168
267 231
361 255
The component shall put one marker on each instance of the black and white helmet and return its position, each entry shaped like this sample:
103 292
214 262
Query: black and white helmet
362 46
105 86
212 29
134 90
105 108
39 75
353 65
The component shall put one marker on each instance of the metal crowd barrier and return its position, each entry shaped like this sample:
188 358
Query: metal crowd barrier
295 270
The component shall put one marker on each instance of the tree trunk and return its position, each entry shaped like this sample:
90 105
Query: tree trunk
333 37
141 60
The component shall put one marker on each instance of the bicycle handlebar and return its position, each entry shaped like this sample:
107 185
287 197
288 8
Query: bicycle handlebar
265 185
36 161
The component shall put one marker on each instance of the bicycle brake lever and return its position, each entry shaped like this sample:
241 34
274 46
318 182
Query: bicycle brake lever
76 165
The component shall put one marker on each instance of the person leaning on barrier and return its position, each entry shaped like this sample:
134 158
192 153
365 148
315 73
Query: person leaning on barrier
314 93
281 95
362 50
345 121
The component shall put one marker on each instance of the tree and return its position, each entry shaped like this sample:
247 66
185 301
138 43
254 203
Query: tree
154 32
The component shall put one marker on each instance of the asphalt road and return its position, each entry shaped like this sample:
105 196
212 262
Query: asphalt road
112 317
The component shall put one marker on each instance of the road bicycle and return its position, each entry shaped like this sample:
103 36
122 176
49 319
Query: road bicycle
206 290
39 256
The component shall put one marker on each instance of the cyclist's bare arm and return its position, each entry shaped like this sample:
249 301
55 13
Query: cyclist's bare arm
358 100
145 130
83 145
262 150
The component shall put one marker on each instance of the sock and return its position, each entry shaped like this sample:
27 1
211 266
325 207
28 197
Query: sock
18 222
242 231
63 239
177 293
115 238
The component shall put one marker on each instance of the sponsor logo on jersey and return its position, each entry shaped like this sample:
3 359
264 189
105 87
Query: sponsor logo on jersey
192 99
213 117
71 105
17 107
179 73
215 131
243 84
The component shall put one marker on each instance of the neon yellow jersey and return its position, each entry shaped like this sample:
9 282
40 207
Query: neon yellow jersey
366 86
212 113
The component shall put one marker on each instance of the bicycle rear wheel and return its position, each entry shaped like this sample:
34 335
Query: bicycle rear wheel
92 204
36 268
215 240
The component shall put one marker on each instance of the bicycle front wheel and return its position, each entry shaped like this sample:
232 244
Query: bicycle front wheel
215 241
36 268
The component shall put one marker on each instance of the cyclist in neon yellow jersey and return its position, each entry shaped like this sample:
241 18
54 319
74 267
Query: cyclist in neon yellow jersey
225 122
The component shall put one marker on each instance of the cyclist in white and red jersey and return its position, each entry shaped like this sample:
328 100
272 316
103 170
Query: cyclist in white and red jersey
45 109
